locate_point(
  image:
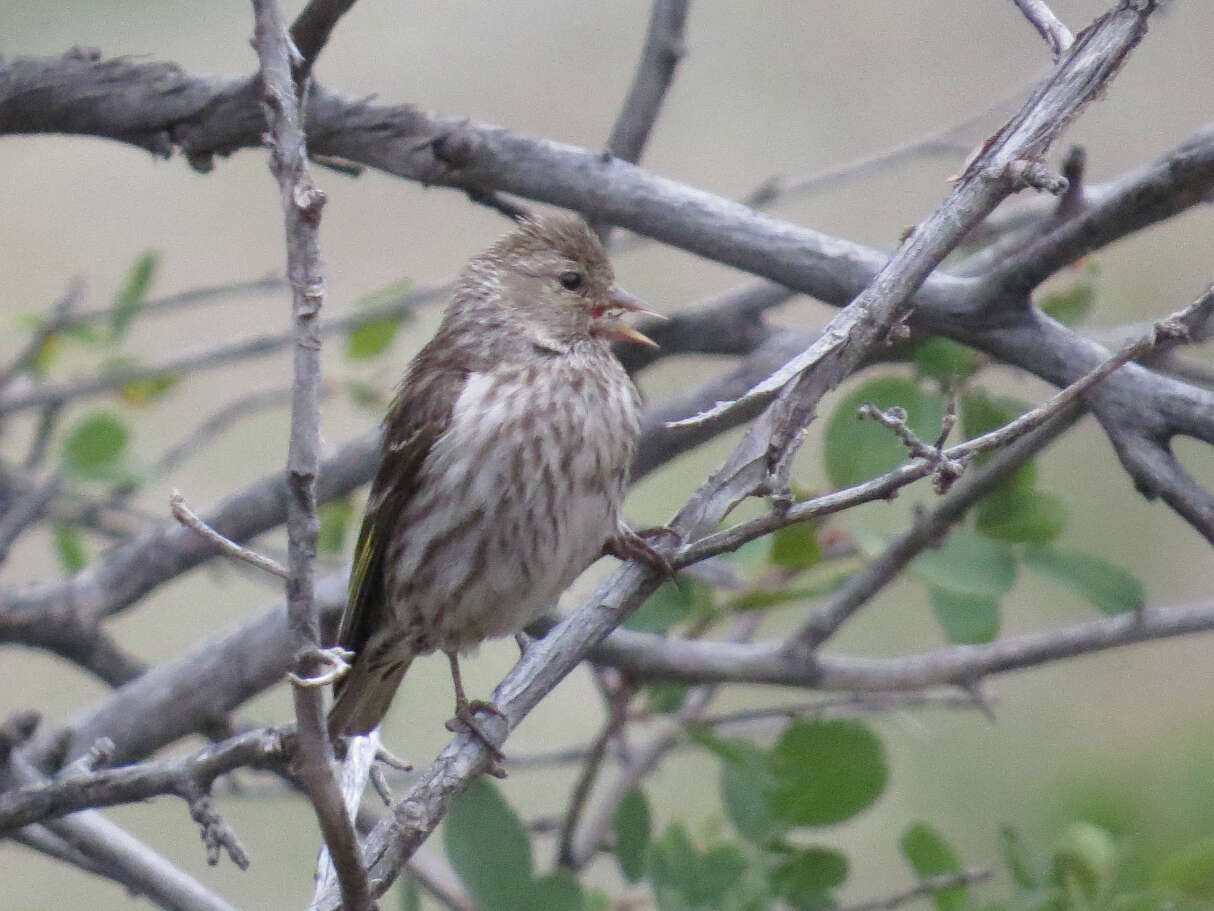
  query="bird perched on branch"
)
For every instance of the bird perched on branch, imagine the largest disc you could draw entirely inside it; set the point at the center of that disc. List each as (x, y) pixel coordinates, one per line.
(505, 458)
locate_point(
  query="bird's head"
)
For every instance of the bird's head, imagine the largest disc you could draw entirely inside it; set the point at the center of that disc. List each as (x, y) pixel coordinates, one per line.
(553, 277)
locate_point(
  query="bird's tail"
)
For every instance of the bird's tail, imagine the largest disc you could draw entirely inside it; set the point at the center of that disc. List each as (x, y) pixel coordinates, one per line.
(363, 696)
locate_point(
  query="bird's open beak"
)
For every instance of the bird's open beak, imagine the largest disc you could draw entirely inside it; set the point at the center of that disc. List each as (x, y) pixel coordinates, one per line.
(609, 325)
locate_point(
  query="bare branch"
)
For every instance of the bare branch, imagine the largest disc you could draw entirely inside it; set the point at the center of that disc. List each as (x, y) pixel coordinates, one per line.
(994, 174)
(209, 358)
(312, 27)
(930, 529)
(190, 519)
(302, 202)
(654, 658)
(185, 778)
(1049, 26)
(212, 426)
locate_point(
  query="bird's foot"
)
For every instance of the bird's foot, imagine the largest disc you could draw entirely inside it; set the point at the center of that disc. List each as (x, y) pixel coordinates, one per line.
(465, 722)
(336, 664)
(632, 544)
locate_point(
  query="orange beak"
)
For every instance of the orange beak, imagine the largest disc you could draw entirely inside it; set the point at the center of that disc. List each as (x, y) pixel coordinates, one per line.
(609, 325)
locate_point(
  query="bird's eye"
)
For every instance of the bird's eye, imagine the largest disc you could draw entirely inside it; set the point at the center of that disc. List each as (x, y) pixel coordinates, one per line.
(571, 281)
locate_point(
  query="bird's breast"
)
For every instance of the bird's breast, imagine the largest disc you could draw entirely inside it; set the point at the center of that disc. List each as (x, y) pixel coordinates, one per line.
(515, 499)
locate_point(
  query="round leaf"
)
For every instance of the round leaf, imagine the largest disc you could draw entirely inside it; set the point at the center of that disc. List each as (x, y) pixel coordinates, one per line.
(92, 447)
(859, 450)
(806, 877)
(825, 771)
(372, 338)
(1190, 869)
(945, 361)
(69, 546)
(671, 604)
(930, 855)
(631, 824)
(1110, 588)
(796, 546)
(968, 564)
(982, 412)
(965, 618)
(1021, 516)
(489, 848)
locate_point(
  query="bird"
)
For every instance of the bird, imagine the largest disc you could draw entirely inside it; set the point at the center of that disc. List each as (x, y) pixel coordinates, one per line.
(504, 462)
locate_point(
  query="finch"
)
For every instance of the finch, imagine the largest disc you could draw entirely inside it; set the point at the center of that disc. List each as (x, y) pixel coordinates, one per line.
(505, 458)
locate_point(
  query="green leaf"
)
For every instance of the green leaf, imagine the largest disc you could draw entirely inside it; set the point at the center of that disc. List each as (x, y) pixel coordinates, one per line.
(684, 879)
(365, 395)
(967, 563)
(1190, 869)
(1110, 588)
(743, 794)
(1021, 516)
(488, 847)
(673, 868)
(826, 772)
(720, 870)
(131, 295)
(632, 824)
(410, 894)
(858, 450)
(93, 445)
(945, 361)
(930, 855)
(335, 519)
(672, 603)
(382, 297)
(759, 600)
(982, 412)
(805, 878)
(370, 339)
(665, 698)
(965, 618)
(375, 337)
(141, 392)
(1016, 856)
(69, 546)
(48, 353)
(1072, 305)
(1085, 856)
(554, 892)
(796, 546)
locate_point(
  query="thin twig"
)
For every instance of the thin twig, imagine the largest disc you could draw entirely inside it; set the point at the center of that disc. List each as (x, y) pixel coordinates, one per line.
(302, 202)
(1049, 26)
(924, 889)
(185, 778)
(593, 762)
(28, 509)
(212, 426)
(1165, 333)
(660, 57)
(311, 30)
(46, 329)
(209, 358)
(190, 519)
(929, 529)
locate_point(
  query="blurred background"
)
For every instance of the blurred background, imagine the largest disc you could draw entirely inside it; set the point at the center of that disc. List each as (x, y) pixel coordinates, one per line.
(782, 88)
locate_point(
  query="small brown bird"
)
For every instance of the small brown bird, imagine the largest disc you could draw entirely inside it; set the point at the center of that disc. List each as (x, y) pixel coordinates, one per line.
(505, 458)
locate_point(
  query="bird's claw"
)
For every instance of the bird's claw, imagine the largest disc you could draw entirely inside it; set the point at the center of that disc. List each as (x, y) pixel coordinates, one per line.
(634, 545)
(337, 661)
(465, 722)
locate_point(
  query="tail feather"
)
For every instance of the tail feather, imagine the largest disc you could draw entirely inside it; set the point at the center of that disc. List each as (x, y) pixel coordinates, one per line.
(363, 697)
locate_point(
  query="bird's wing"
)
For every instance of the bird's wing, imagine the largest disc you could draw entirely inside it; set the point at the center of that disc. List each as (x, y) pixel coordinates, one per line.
(418, 417)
